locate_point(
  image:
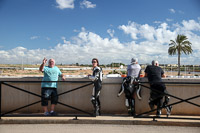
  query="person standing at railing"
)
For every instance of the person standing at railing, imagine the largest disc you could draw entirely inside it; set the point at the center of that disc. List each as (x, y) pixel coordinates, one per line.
(49, 89)
(129, 85)
(154, 73)
(97, 78)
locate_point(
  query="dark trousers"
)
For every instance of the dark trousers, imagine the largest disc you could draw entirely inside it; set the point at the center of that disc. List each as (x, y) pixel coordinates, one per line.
(156, 95)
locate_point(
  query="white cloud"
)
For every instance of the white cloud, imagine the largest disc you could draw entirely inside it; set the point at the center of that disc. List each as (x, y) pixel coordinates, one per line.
(156, 39)
(130, 29)
(169, 20)
(163, 35)
(82, 49)
(75, 30)
(148, 42)
(111, 32)
(34, 37)
(147, 32)
(172, 10)
(63, 4)
(191, 25)
(157, 22)
(87, 4)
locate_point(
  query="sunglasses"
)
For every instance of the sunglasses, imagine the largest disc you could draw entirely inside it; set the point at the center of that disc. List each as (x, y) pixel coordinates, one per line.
(94, 61)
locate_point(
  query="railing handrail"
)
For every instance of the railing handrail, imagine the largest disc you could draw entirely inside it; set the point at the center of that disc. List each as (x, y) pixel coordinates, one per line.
(15, 81)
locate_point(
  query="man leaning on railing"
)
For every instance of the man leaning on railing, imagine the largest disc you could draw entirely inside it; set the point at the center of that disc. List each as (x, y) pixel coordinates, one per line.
(155, 74)
(49, 89)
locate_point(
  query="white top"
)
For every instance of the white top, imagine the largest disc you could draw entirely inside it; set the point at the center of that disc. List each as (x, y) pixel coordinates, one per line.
(133, 70)
(97, 74)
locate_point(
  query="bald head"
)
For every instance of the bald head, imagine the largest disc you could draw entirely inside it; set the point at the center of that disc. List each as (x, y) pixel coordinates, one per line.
(155, 63)
(51, 62)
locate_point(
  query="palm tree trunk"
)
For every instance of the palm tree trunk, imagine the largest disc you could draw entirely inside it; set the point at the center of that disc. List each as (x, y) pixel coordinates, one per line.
(178, 64)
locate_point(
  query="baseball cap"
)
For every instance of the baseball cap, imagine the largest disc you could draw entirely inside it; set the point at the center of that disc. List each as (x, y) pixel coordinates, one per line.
(134, 60)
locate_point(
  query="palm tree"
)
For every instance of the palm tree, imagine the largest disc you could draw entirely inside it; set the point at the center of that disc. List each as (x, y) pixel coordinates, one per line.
(181, 45)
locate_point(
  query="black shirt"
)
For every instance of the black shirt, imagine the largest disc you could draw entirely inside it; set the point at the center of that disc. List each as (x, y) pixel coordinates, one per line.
(154, 73)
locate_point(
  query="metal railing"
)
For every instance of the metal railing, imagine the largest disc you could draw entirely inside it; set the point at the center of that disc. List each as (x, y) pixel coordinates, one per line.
(9, 113)
(89, 114)
(180, 100)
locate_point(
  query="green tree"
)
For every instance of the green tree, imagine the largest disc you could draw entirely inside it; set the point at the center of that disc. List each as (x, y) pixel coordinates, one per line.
(179, 46)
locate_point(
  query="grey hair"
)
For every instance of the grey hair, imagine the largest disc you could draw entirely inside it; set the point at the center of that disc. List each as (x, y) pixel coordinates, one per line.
(52, 59)
(154, 62)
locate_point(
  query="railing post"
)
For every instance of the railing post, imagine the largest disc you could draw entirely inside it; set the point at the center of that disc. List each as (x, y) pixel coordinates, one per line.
(0, 99)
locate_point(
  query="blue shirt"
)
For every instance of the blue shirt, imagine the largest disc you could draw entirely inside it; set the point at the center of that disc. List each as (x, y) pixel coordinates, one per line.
(51, 74)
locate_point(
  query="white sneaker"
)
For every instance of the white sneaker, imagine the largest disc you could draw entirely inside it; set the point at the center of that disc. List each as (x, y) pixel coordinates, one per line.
(46, 113)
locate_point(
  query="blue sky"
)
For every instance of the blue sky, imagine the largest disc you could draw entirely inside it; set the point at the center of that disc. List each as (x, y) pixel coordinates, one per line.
(74, 31)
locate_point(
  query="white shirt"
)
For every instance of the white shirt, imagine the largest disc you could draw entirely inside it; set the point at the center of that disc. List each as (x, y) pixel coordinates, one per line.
(133, 70)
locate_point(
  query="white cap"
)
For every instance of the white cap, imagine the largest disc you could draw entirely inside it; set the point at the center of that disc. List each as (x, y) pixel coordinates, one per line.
(134, 60)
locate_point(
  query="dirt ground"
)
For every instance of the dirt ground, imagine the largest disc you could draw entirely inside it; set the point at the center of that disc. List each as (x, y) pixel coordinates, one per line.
(8, 72)
(38, 73)
(15, 70)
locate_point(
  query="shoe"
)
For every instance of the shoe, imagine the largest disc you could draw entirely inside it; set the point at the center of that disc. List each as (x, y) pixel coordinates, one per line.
(97, 112)
(169, 110)
(131, 112)
(53, 113)
(46, 114)
(158, 113)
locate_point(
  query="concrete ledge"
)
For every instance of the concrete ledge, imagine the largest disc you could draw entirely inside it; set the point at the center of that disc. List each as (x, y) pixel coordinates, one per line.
(12, 99)
(116, 120)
